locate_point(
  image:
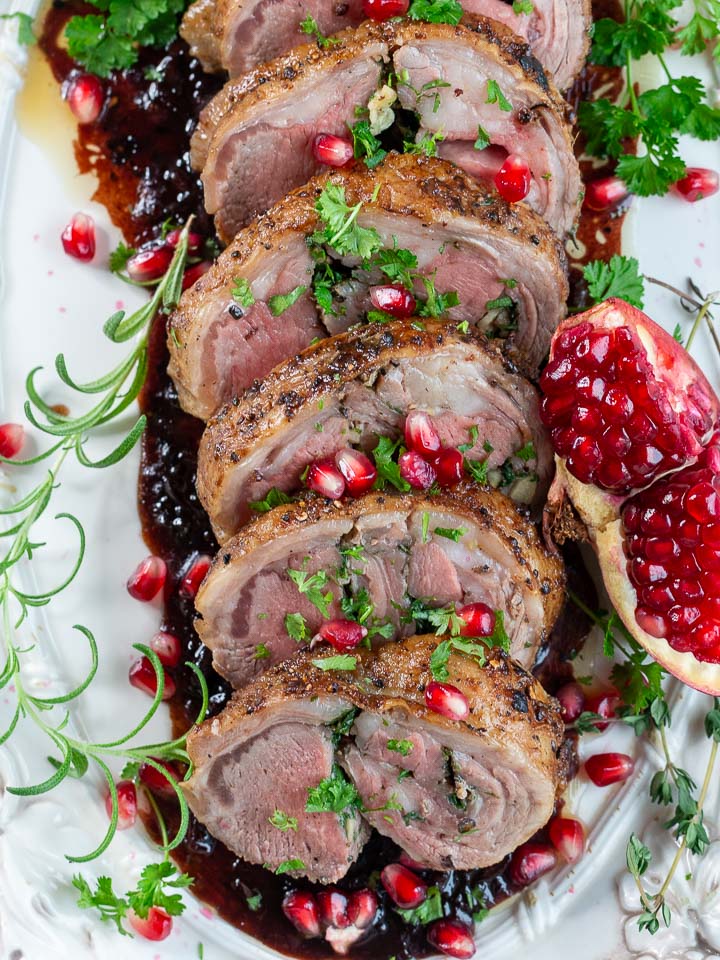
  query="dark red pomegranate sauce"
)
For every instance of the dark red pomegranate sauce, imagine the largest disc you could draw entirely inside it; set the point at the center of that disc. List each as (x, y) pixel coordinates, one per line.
(139, 151)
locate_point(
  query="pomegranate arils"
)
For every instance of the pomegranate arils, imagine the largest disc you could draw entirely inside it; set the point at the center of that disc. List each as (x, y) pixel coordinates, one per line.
(697, 184)
(447, 700)
(195, 241)
(331, 150)
(155, 781)
(478, 618)
(513, 179)
(127, 804)
(531, 861)
(324, 478)
(12, 438)
(332, 908)
(452, 938)
(193, 274)
(404, 887)
(358, 471)
(148, 579)
(672, 544)
(604, 704)
(605, 193)
(78, 237)
(606, 768)
(342, 634)
(624, 432)
(149, 265)
(416, 471)
(572, 701)
(362, 908)
(421, 435)
(385, 9)
(393, 299)
(449, 468)
(167, 647)
(301, 909)
(194, 576)
(568, 837)
(142, 675)
(156, 926)
(85, 96)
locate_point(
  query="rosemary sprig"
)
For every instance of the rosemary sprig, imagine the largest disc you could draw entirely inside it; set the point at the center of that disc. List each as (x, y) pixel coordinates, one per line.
(116, 390)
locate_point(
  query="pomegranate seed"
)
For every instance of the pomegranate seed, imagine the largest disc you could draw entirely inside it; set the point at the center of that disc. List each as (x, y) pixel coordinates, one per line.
(155, 781)
(142, 675)
(332, 908)
(342, 634)
(568, 838)
(78, 237)
(385, 9)
(127, 804)
(331, 150)
(531, 861)
(572, 701)
(148, 579)
(447, 700)
(85, 96)
(416, 471)
(404, 887)
(362, 908)
(606, 768)
(449, 467)
(193, 274)
(393, 299)
(513, 179)
(12, 438)
(195, 241)
(479, 620)
(421, 435)
(452, 938)
(603, 704)
(408, 861)
(149, 265)
(605, 193)
(357, 470)
(156, 926)
(301, 909)
(194, 576)
(167, 647)
(697, 184)
(324, 478)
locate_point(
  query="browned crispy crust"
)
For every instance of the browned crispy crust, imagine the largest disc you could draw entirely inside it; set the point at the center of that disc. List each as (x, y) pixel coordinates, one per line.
(309, 377)
(424, 187)
(271, 80)
(506, 702)
(483, 507)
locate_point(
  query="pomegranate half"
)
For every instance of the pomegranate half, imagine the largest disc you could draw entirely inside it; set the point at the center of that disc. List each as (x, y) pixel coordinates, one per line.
(633, 423)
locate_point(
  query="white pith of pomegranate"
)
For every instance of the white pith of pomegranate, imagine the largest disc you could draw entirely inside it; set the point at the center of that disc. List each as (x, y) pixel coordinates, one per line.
(623, 401)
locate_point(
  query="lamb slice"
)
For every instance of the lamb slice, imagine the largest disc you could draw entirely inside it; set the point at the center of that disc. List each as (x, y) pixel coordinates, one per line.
(472, 242)
(388, 546)
(470, 791)
(353, 389)
(276, 111)
(266, 761)
(531, 122)
(237, 35)
(254, 140)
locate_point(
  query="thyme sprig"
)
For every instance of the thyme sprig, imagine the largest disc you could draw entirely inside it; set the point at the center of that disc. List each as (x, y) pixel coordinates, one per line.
(116, 390)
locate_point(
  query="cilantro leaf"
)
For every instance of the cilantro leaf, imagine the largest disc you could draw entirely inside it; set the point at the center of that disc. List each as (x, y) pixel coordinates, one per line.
(397, 264)
(436, 11)
(281, 302)
(93, 45)
(620, 277)
(119, 257)
(152, 889)
(342, 232)
(104, 900)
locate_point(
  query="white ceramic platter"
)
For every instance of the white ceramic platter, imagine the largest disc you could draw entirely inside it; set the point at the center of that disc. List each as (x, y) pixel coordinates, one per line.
(51, 304)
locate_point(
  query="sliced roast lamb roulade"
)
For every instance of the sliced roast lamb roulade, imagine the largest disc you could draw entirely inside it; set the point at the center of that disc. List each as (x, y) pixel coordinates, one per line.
(374, 556)
(505, 265)
(473, 86)
(469, 790)
(238, 35)
(353, 389)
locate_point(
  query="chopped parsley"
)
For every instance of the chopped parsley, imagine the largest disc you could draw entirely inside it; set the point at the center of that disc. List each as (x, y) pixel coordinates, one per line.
(620, 277)
(296, 626)
(403, 747)
(500, 303)
(254, 902)
(310, 585)
(483, 139)
(282, 822)
(450, 533)
(273, 498)
(427, 144)
(310, 27)
(436, 11)
(476, 648)
(342, 231)
(281, 302)
(478, 470)
(242, 293)
(495, 95)
(523, 6)
(341, 661)
(440, 619)
(261, 652)
(430, 909)
(436, 303)
(25, 34)
(334, 794)
(117, 261)
(366, 145)
(288, 866)
(387, 468)
(527, 452)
